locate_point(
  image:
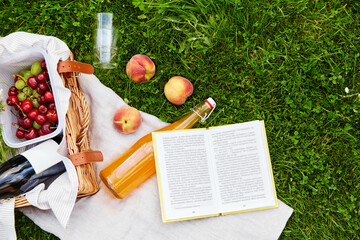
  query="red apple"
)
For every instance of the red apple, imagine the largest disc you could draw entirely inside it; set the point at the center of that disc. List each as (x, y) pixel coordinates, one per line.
(140, 68)
(177, 89)
(127, 120)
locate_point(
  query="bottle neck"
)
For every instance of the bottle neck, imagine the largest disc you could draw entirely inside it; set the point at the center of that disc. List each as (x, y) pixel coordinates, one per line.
(193, 117)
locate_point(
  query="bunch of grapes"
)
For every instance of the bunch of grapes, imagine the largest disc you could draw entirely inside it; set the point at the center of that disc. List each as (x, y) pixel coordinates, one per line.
(33, 99)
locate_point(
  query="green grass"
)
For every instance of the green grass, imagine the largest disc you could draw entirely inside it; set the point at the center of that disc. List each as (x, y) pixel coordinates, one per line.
(286, 62)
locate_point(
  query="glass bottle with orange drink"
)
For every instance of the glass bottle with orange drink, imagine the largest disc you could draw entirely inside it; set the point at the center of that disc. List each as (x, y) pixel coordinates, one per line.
(137, 164)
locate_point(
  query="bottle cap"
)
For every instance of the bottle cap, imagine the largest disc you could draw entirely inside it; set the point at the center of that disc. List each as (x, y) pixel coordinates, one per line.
(105, 20)
(211, 102)
(212, 105)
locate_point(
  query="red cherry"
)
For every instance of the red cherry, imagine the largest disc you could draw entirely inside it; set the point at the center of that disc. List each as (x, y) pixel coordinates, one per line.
(47, 128)
(51, 106)
(12, 100)
(20, 134)
(13, 91)
(40, 132)
(43, 65)
(52, 115)
(40, 118)
(27, 123)
(42, 87)
(26, 106)
(49, 97)
(42, 77)
(20, 121)
(42, 109)
(31, 134)
(16, 78)
(31, 81)
(41, 99)
(32, 114)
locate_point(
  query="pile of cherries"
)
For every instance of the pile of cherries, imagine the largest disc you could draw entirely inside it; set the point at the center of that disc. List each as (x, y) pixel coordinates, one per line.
(33, 99)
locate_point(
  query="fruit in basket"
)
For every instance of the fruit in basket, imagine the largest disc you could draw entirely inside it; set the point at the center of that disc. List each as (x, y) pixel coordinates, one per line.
(43, 65)
(12, 100)
(42, 77)
(31, 133)
(40, 118)
(27, 74)
(42, 108)
(140, 68)
(20, 84)
(42, 88)
(27, 123)
(27, 90)
(47, 127)
(21, 96)
(33, 98)
(26, 106)
(35, 68)
(20, 121)
(127, 120)
(32, 114)
(20, 134)
(31, 81)
(35, 102)
(36, 125)
(16, 78)
(41, 99)
(52, 105)
(49, 97)
(177, 89)
(52, 115)
(13, 91)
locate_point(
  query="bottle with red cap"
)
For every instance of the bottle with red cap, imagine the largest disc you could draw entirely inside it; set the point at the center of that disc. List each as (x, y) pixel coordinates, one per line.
(137, 164)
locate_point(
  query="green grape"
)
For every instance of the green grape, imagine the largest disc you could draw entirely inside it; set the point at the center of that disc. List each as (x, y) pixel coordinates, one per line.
(35, 93)
(36, 125)
(20, 84)
(27, 74)
(35, 103)
(21, 96)
(22, 72)
(35, 68)
(27, 90)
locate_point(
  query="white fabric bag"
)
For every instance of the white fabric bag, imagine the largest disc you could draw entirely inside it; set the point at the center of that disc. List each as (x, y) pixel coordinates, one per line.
(18, 51)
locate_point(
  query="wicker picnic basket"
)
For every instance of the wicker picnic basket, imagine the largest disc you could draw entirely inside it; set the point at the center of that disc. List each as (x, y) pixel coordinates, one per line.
(76, 127)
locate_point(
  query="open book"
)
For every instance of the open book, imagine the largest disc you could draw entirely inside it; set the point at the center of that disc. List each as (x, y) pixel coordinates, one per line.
(212, 172)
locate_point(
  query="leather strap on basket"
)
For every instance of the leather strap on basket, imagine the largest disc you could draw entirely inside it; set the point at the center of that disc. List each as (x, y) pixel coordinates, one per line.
(72, 66)
(86, 157)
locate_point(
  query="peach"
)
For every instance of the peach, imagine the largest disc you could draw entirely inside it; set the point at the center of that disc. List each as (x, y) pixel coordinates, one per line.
(127, 120)
(140, 68)
(177, 89)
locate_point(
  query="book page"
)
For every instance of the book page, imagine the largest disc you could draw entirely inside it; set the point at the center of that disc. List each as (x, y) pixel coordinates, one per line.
(184, 174)
(242, 166)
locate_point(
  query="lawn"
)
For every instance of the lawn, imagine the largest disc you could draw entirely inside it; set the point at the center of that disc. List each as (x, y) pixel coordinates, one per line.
(292, 63)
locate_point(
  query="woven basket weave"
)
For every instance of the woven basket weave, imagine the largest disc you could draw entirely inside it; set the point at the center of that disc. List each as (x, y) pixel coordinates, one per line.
(76, 127)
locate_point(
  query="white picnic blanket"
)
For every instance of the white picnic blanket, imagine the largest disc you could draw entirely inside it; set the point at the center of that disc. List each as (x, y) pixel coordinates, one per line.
(102, 216)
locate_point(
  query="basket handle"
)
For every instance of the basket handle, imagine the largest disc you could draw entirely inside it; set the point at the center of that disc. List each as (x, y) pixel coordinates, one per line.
(69, 66)
(86, 157)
